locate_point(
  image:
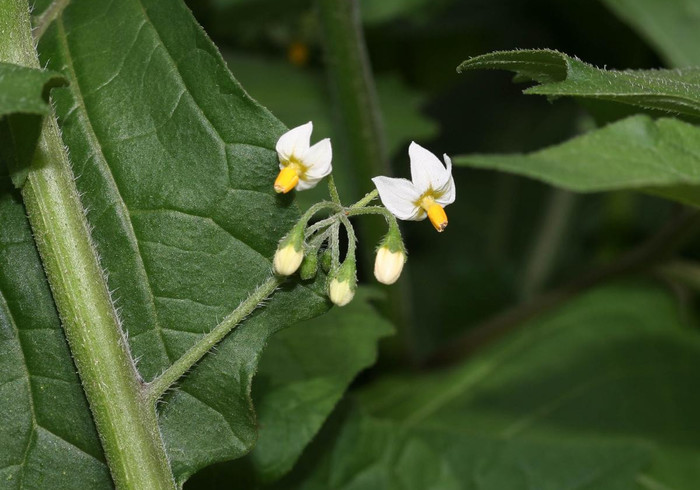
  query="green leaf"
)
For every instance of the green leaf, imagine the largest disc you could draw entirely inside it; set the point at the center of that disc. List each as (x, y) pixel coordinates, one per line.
(671, 26)
(24, 100)
(175, 164)
(47, 434)
(303, 373)
(26, 90)
(599, 394)
(557, 74)
(657, 156)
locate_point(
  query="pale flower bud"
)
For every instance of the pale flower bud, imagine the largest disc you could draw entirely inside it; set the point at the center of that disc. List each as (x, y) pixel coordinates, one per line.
(388, 265)
(287, 260)
(290, 252)
(391, 256)
(341, 288)
(341, 292)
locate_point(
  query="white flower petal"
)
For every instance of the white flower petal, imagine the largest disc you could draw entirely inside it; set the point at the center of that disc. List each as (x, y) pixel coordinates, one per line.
(399, 197)
(307, 183)
(317, 160)
(448, 188)
(294, 142)
(426, 169)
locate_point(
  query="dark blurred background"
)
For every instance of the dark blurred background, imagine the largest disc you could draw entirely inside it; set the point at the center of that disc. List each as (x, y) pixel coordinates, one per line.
(508, 238)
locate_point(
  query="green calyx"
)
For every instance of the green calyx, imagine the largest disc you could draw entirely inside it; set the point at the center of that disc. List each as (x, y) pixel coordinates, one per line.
(295, 237)
(347, 272)
(393, 241)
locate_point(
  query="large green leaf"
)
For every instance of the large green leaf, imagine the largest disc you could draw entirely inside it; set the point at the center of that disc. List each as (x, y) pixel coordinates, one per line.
(658, 156)
(48, 437)
(557, 74)
(671, 26)
(24, 100)
(302, 375)
(600, 394)
(26, 90)
(175, 164)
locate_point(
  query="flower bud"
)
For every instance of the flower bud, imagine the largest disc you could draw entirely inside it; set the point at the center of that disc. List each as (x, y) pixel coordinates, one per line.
(388, 265)
(309, 266)
(342, 286)
(289, 252)
(391, 256)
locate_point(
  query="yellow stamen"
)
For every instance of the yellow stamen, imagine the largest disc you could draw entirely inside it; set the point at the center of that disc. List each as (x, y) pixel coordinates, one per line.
(287, 179)
(436, 213)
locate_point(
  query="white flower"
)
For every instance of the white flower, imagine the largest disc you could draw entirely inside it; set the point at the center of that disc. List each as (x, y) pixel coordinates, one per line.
(431, 189)
(302, 166)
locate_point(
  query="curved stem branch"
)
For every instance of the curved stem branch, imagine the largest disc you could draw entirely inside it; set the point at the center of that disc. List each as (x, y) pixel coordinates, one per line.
(156, 388)
(368, 198)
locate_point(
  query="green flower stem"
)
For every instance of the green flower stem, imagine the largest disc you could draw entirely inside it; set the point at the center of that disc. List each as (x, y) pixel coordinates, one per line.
(335, 247)
(320, 225)
(369, 197)
(160, 385)
(318, 207)
(333, 190)
(126, 422)
(352, 239)
(390, 218)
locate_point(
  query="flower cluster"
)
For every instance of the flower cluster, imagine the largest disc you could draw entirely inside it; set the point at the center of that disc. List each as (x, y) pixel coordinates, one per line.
(302, 166)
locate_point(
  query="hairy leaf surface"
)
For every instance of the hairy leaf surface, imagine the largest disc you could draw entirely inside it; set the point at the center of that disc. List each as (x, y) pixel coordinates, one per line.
(658, 156)
(557, 74)
(175, 164)
(48, 437)
(599, 394)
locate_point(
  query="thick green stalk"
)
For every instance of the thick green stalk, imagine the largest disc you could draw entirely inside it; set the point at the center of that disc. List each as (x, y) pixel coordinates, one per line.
(355, 94)
(126, 421)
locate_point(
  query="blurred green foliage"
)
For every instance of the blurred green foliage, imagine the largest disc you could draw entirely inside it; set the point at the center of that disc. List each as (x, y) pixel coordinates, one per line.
(481, 265)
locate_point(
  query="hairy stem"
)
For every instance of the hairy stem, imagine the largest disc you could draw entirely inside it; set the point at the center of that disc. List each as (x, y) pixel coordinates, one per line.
(126, 422)
(333, 190)
(353, 88)
(160, 385)
(369, 197)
